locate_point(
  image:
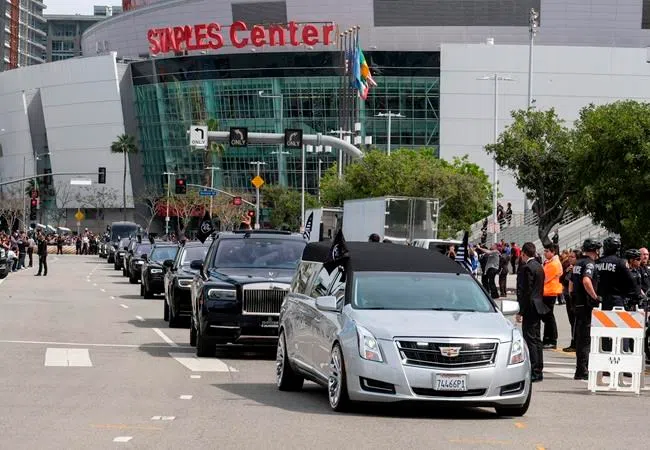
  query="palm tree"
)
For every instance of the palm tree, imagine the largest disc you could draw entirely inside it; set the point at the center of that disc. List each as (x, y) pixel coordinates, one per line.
(125, 144)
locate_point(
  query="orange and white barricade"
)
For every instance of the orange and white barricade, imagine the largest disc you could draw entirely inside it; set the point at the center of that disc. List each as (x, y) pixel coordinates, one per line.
(625, 331)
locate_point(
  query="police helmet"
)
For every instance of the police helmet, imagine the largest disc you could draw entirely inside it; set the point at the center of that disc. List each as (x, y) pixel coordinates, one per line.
(611, 245)
(632, 253)
(590, 245)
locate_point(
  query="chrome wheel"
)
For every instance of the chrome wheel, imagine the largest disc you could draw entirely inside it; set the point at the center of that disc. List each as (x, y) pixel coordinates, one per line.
(279, 361)
(335, 382)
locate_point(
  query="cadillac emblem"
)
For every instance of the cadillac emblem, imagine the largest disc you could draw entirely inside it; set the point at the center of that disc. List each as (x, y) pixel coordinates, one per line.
(450, 352)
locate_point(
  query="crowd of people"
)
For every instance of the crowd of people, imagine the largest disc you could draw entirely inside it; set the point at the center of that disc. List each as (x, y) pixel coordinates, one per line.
(20, 248)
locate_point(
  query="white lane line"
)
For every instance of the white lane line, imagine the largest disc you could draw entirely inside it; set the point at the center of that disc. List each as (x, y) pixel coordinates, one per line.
(201, 364)
(67, 357)
(163, 417)
(185, 397)
(164, 337)
(86, 344)
(94, 284)
(124, 306)
(123, 439)
(2, 281)
(112, 298)
(103, 290)
(140, 318)
(195, 376)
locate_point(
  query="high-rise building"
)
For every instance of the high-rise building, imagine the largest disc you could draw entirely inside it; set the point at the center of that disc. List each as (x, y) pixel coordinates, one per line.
(21, 33)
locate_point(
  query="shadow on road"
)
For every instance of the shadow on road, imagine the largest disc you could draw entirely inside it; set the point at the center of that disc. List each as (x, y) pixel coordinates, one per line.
(149, 323)
(133, 297)
(161, 350)
(243, 352)
(313, 399)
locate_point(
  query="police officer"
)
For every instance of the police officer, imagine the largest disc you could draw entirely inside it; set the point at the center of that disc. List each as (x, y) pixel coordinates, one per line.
(615, 283)
(633, 257)
(583, 286)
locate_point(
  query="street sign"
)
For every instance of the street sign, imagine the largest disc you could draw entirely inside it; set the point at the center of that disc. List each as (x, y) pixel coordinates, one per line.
(258, 181)
(293, 138)
(207, 193)
(79, 216)
(199, 136)
(238, 136)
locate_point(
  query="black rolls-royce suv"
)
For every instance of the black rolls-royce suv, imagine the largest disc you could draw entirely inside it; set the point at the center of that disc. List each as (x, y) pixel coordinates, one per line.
(237, 294)
(152, 271)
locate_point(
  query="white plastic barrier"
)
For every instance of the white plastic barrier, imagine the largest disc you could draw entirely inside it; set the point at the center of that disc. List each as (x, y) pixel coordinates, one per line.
(625, 332)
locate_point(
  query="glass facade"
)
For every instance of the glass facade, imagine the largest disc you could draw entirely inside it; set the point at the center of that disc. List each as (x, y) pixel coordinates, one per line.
(300, 90)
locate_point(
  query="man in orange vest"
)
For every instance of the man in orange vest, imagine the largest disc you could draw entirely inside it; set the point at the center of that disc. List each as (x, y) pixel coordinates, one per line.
(552, 289)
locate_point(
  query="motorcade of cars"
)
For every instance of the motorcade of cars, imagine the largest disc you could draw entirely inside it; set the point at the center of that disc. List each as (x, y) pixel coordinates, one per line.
(237, 293)
(118, 231)
(152, 272)
(135, 260)
(392, 323)
(178, 280)
(119, 252)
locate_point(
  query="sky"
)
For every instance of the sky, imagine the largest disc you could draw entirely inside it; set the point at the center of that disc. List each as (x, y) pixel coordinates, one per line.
(75, 6)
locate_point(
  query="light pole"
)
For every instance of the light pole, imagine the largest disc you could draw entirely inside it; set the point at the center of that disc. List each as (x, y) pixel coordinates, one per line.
(212, 169)
(280, 153)
(533, 22)
(495, 177)
(341, 132)
(169, 174)
(390, 115)
(320, 164)
(257, 195)
(302, 193)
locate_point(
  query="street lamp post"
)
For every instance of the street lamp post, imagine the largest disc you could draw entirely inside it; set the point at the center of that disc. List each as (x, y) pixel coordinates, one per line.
(320, 164)
(533, 22)
(390, 115)
(257, 194)
(212, 169)
(280, 153)
(495, 177)
(341, 132)
(169, 174)
(302, 193)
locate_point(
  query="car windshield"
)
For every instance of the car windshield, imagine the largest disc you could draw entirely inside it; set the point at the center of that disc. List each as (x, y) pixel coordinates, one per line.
(122, 231)
(259, 252)
(142, 248)
(163, 253)
(192, 254)
(418, 291)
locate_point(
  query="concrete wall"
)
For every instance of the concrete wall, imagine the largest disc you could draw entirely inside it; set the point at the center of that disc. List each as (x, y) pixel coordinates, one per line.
(565, 78)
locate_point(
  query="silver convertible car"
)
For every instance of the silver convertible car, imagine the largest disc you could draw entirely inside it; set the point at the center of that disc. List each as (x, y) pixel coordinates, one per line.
(390, 322)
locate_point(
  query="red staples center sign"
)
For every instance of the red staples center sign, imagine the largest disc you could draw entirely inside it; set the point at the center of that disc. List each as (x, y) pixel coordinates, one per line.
(209, 36)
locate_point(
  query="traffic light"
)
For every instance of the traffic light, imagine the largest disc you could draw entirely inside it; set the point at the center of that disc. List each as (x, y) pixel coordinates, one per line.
(236, 201)
(181, 187)
(102, 175)
(34, 193)
(32, 209)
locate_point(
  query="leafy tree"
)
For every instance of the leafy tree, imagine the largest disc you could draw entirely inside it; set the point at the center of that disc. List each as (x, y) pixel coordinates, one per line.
(539, 149)
(462, 187)
(285, 205)
(125, 144)
(151, 197)
(613, 168)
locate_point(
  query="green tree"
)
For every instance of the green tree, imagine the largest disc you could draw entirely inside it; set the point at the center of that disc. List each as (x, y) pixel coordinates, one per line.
(463, 187)
(539, 150)
(285, 205)
(125, 144)
(613, 168)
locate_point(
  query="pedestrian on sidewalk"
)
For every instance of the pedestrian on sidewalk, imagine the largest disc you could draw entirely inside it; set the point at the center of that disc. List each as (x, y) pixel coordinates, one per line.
(530, 295)
(491, 269)
(31, 245)
(504, 261)
(42, 254)
(552, 290)
(571, 261)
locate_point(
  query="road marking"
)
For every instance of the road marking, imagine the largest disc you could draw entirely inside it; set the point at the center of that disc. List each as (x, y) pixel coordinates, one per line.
(94, 284)
(103, 290)
(123, 439)
(479, 441)
(139, 318)
(2, 281)
(520, 425)
(195, 376)
(67, 357)
(122, 426)
(6, 341)
(185, 397)
(112, 298)
(201, 364)
(164, 337)
(124, 306)
(163, 417)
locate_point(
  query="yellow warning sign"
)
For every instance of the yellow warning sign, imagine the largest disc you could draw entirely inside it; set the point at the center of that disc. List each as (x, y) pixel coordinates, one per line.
(79, 216)
(258, 182)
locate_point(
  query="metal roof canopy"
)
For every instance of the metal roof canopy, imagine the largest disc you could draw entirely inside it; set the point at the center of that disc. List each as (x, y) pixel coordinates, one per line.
(278, 138)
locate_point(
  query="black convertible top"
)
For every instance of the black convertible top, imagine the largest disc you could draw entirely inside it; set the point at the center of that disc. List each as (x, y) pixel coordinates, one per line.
(384, 257)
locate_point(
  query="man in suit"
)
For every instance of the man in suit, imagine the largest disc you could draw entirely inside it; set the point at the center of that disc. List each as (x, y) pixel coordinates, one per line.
(530, 295)
(42, 254)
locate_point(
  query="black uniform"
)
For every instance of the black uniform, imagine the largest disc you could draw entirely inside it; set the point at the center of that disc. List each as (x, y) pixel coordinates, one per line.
(585, 268)
(615, 283)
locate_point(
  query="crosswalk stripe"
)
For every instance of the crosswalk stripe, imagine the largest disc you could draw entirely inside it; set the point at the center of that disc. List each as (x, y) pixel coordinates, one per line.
(202, 364)
(67, 357)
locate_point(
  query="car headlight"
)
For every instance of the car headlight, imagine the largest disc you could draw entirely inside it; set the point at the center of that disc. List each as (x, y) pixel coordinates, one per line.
(517, 348)
(139, 263)
(226, 295)
(368, 345)
(156, 270)
(184, 283)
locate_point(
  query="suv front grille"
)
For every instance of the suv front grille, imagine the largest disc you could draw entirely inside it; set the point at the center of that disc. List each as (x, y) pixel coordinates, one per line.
(263, 301)
(456, 355)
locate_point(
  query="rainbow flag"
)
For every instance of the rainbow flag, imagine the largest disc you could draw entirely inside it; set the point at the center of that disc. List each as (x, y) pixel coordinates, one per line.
(366, 80)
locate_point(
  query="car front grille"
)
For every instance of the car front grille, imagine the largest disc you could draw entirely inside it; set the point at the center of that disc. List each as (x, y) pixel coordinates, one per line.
(454, 355)
(263, 301)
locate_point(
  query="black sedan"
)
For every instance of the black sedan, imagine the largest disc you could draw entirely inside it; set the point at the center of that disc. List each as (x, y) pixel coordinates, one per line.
(136, 259)
(178, 280)
(152, 269)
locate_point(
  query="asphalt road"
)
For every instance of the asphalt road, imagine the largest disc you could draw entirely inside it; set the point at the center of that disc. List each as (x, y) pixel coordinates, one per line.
(86, 363)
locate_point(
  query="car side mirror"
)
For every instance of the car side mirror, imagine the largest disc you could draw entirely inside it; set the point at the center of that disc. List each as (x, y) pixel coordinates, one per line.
(197, 264)
(168, 263)
(509, 307)
(326, 303)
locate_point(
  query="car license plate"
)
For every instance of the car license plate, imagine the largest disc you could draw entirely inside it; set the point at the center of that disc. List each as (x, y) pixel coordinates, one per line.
(450, 382)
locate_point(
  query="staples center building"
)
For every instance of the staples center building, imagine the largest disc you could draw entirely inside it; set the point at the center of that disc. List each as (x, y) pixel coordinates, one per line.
(179, 62)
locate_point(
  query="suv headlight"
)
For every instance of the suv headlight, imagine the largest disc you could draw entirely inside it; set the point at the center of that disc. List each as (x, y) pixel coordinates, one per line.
(184, 283)
(156, 270)
(226, 295)
(517, 348)
(368, 345)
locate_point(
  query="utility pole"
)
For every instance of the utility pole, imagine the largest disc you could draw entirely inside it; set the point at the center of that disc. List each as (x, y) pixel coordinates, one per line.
(390, 115)
(320, 164)
(302, 193)
(257, 195)
(341, 132)
(212, 169)
(169, 182)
